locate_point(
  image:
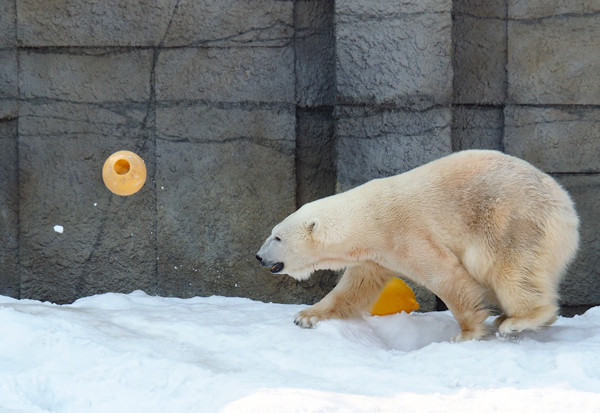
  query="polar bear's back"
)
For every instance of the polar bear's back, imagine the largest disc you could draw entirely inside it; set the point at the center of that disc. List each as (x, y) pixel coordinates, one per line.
(487, 206)
(492, 188)
(481, 185)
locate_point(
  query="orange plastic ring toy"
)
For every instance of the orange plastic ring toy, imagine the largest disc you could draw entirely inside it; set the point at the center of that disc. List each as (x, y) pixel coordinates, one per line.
(124, 173)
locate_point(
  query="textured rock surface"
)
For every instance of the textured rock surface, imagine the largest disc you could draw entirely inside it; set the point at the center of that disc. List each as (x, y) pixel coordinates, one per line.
(314, 53)
(9, 89)
(373, 143)
(581, 286)
(8, 17)
(544, 67)
(259, 74)
(479, 86)
(9, 210)
(229, 23)
(315, 159)
(393, 53)
(477, 127)
(94, 75)
(93, 23)
(563, 139)
(245, 109)
(108, 242)
(538, 9)
(479, 59)
(225, 177)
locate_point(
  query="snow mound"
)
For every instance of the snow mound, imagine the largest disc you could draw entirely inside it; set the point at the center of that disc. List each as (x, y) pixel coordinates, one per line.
(136, 353)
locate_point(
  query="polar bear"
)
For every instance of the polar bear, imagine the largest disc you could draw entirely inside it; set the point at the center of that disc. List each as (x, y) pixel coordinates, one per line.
(476, 227)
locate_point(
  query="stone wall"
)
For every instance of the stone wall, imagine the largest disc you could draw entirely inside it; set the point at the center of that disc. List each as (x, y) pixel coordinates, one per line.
(244, 110)
(526, 82)
(214, 96)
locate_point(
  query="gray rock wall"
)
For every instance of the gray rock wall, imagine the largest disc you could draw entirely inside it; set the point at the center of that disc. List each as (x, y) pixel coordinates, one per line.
(206, 94)
(244, 110)
(526, 83)
(553, 113)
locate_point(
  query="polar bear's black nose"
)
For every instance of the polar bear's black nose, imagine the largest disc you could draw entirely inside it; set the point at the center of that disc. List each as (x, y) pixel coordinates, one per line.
(259, 258)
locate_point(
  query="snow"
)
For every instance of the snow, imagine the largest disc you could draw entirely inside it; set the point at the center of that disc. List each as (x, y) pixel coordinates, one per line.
(137, 353)
(59, 229)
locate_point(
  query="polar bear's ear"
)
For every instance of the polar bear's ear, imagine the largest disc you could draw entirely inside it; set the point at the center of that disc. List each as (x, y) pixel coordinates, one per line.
(322, 233)
(314, 226)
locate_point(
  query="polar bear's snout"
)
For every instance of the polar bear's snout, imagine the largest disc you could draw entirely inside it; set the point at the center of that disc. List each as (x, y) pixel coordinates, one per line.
(275, 267)
(270, 255)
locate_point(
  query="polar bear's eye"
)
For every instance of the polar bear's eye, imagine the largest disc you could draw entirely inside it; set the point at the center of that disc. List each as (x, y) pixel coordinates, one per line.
(277, 239)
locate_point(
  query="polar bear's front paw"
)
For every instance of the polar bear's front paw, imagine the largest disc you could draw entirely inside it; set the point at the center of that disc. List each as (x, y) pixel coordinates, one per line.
(307, 319)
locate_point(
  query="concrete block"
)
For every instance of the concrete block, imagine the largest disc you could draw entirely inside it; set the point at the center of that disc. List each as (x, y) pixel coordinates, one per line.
(215, 203)
(108, 242)
(477, 127)
(315, 72)
(391, 7)
(315, 53)
(8, 24)
(9, 85)
(254, 74)
(267, 125)
(86, 76)
(101, 121)
(94, 23)
(479, 9)
(540, 9)
(313, 16)
(394, 53)
(9, 210)
(315, 157)
(479, 60)
(225, 177)
(545, 66)
(373, 143)
(554, 139)
(228, 23)
(581, 286)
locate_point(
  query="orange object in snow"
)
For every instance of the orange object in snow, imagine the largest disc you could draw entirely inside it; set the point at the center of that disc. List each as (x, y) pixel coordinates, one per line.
(124, 173)
(396, 297)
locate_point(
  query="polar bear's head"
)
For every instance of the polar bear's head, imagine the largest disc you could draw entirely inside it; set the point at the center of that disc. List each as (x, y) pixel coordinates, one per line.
(308, 240)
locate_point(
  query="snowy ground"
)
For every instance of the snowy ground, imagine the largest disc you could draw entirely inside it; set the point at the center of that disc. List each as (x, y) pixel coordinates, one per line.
(136, 353)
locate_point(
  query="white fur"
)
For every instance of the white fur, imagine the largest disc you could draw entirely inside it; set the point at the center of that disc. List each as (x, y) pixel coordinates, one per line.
(474, 227)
